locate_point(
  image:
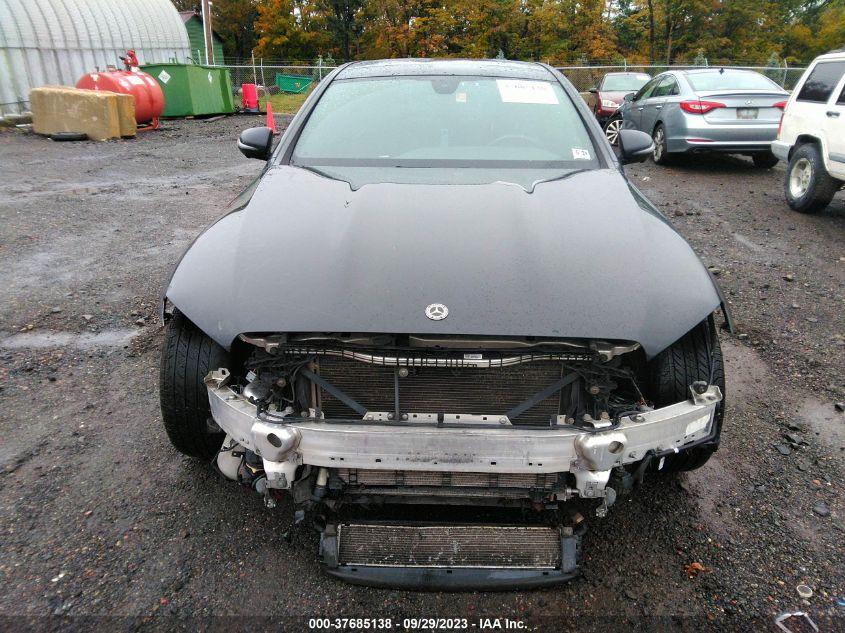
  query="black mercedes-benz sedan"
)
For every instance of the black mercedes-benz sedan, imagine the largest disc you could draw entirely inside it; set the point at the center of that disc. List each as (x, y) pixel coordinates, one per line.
(443, 291)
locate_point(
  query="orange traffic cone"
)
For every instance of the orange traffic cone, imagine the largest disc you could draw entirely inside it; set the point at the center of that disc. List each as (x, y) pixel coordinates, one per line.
(271, 122)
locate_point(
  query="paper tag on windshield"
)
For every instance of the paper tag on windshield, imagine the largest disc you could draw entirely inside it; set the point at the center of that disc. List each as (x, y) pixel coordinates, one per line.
(521, 91)
(461, 97)
(580, 154)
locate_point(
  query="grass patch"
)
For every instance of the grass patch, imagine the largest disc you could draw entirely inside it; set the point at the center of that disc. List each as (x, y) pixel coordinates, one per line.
(285, 103)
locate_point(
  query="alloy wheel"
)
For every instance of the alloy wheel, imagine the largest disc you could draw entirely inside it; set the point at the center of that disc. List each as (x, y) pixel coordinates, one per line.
(659, 139)
(611, 131)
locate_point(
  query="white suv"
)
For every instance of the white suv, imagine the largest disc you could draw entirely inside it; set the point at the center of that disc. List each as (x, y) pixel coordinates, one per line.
(812, 135)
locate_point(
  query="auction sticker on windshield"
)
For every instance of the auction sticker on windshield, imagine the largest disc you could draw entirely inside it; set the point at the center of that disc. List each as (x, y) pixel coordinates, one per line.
(519, 91)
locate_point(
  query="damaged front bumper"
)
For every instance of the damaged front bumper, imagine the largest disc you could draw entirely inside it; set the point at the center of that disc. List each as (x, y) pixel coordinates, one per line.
(454, 443)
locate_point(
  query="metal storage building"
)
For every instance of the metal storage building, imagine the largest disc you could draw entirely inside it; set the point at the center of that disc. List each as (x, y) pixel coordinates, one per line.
(55, 42)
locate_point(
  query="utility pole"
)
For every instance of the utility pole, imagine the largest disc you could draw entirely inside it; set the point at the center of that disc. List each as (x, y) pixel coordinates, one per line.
(206, 27)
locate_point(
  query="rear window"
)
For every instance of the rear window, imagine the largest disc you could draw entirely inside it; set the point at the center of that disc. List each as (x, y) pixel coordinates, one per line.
(730, 80)
(624, 83)
(821, 82)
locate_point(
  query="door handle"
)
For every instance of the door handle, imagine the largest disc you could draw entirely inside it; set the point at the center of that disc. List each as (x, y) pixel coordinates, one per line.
(658, 107)
(640, 108)
(832, 114)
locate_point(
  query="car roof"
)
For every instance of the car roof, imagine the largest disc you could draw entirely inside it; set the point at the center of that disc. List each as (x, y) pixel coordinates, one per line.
(715, 69)
(446, 67)
(831, 55)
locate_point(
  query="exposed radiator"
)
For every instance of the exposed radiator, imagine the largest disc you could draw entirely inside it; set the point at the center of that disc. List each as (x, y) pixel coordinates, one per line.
(441, 390)
(475, 546)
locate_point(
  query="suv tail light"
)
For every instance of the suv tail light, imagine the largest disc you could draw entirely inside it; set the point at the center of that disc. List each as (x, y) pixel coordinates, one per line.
(700, 107)
(782, 106)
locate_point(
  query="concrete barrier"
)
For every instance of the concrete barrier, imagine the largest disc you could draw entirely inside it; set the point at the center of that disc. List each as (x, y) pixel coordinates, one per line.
(100, 115)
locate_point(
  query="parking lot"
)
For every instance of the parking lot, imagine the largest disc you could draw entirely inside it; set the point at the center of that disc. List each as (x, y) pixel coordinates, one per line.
(100, 516)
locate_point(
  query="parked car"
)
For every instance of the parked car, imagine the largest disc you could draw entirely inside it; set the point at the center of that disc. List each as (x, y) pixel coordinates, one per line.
(707, 110)
(443, 290)
(607, 96)
(812, 135)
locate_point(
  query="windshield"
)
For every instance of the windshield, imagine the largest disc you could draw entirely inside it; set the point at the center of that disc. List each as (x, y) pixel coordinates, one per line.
(624, 83)
(443, 130)
(731, 80)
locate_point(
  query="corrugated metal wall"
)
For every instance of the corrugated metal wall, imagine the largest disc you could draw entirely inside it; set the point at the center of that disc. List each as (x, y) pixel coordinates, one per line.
(47, 42)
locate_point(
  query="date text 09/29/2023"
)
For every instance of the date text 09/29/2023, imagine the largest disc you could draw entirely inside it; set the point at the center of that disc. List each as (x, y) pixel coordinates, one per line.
(411, 624)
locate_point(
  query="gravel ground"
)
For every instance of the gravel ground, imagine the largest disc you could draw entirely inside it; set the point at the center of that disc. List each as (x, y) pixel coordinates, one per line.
(101, 518)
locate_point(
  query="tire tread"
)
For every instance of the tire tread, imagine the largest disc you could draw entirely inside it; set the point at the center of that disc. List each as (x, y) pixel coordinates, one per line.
(674, 370)
(187, 355)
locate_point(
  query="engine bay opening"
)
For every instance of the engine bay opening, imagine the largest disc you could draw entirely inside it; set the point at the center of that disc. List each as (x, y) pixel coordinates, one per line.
(457, 380)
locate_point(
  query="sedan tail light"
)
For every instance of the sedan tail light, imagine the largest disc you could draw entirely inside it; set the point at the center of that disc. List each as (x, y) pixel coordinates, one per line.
(700, 107)
(780, 104)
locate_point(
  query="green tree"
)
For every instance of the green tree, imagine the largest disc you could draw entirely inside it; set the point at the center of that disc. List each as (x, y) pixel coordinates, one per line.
(234, 22)
(342, 21)
(290, 29)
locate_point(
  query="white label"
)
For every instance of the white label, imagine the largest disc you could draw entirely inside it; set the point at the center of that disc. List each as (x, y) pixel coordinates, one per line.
(580, 154)
(164, 76)
(697, 425)
(473, 357)
(461, 97)
(209, 77)
(521, 91)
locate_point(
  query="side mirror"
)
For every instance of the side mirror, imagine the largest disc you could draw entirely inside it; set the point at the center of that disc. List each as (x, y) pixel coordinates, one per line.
(256, 142)
(634, 146)
(593, 91)
(629, 96)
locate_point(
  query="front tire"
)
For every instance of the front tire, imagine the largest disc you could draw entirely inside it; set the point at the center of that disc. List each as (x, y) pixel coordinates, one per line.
(187, 356)
(612, 128)
(661, 151)
(691, 358)
(764, 160)
(808, 186)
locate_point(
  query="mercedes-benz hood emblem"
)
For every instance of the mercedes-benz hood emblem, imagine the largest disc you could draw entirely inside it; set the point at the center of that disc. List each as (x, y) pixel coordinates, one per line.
(436, 311)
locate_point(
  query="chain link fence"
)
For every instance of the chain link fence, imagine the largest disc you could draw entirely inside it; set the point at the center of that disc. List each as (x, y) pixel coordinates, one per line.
(263, 73)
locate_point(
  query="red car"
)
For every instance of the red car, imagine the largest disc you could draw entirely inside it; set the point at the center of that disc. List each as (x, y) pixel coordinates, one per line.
(606, 98)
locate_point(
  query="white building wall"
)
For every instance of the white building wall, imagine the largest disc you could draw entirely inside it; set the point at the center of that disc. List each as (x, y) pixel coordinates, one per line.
(55, 42)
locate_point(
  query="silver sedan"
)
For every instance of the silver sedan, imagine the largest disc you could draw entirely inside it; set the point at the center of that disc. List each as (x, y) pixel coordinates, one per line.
(708, 110)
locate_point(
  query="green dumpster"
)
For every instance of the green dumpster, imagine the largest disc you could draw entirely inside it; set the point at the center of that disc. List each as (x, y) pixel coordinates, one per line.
(293, 83)
(192, 89)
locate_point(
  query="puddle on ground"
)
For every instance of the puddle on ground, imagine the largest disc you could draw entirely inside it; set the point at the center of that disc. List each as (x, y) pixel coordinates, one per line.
(83, 340)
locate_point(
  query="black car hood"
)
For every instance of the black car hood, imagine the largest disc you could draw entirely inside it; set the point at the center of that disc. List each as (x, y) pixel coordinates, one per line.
(584, 256)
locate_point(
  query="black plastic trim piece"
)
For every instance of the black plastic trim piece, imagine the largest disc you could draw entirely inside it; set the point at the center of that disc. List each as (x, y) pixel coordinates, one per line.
(451, 578)
(445, 579)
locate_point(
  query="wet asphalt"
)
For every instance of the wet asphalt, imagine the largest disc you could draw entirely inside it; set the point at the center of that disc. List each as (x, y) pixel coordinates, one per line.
(104, 525)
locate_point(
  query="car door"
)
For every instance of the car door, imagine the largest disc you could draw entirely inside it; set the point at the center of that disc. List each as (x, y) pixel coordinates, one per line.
(834, 129)
(633, 114)
(653, 106)
(816, 107)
